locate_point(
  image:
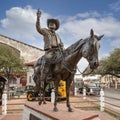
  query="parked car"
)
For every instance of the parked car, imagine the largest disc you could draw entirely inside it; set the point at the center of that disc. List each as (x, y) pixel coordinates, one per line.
(15, 91)
(29, 87)
(91, 89)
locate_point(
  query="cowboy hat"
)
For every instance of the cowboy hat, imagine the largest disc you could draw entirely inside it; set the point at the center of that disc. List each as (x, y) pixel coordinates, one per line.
(56, 21)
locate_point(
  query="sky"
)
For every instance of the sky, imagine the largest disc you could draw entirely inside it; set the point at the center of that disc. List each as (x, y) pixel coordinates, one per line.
(77, 17)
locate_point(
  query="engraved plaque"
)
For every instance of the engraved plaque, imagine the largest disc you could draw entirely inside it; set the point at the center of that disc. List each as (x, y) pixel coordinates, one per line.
(33, 117)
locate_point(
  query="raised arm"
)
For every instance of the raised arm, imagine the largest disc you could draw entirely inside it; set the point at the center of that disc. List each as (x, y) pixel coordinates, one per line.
(38, 26)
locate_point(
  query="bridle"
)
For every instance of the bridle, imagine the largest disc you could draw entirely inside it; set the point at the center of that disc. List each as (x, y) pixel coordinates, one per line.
(83, 73)
(72, 71)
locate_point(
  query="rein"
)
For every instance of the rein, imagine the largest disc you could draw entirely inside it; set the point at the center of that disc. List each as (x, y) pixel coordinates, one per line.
(73, 71)
(70, 69)
(82, 73)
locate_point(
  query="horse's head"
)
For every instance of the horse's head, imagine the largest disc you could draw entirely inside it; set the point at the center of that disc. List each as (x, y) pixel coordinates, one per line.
(90, 50)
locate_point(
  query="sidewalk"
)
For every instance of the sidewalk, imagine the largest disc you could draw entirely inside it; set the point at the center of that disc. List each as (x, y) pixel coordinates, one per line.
(12, 117)
(113, 90)
(102, 115)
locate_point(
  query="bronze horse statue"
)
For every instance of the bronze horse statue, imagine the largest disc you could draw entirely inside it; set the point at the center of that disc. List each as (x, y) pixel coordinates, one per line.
(66, 68)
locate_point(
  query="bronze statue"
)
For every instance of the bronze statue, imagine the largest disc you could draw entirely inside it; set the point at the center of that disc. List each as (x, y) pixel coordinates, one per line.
(53, 45)
(64, 67)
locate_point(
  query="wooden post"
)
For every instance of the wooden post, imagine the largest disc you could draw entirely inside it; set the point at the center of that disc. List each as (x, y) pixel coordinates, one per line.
(102, 104)
(75, 91)
(4, 103)
(84, 93)
(53, 96)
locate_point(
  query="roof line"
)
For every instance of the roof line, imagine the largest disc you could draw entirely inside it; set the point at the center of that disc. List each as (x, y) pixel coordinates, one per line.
(20, 42)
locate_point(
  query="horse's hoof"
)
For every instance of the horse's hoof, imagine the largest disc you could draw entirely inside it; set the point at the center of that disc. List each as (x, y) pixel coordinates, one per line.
(70, 110)
(39, 103)
(55, 110)
(44, 102)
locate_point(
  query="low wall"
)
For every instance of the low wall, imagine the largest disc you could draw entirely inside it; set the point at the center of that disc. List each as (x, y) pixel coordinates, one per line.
(33, 111)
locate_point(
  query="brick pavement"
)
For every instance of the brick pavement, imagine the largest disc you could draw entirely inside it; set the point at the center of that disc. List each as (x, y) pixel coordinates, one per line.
(102, 115)
(12, 117)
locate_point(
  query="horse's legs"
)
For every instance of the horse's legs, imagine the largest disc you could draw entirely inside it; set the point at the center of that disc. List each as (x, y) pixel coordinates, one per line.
(40, 93)
(56, 83)
(37, 80)
(68, 83)
(44, 101)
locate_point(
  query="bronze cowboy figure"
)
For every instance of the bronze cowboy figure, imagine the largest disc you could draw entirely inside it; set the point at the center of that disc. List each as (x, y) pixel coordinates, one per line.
(53, 46)
(59, 64)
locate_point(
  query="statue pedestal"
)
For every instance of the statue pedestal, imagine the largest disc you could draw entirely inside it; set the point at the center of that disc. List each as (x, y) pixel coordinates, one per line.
(33, 111)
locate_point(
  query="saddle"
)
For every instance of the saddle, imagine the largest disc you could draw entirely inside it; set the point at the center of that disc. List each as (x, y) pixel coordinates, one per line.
(45, 64)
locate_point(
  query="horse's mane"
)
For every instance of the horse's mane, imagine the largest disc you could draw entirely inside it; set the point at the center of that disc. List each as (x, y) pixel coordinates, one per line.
(74, 47)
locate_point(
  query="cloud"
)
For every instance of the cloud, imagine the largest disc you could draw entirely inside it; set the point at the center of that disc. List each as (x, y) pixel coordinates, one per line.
(115, 6)
(20, 24)
(77, 28)
(80, 27)
(19, 19)
(116, 43)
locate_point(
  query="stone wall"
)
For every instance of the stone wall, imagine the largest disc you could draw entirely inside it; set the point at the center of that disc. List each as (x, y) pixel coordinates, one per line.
(27, 52)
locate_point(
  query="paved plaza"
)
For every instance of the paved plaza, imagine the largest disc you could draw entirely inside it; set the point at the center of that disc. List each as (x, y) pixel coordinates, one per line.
(74, 102)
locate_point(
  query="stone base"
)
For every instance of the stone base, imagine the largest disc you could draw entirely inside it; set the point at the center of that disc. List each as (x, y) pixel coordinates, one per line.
(33, 111)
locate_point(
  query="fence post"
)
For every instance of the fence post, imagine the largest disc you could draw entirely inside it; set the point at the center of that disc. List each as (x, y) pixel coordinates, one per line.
(102, 104)
(4, 102)
(52, 96)
(75, 91)
(84, 93)
(108, 85)
(115, 84)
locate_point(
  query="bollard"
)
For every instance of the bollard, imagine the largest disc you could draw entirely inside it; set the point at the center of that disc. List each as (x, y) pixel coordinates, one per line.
(4, 103)
(18, 94)
(116, 85)
(84, 93)
(102, 104)
(108, 85)
(53, 96)
(75, 91)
